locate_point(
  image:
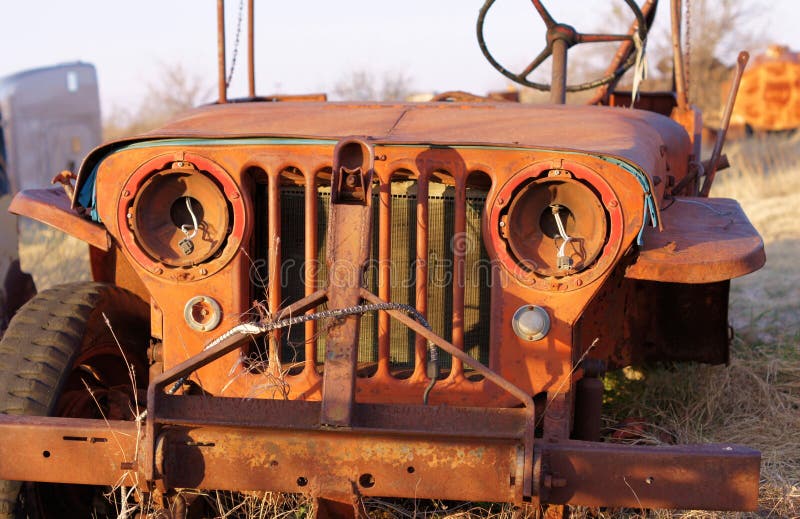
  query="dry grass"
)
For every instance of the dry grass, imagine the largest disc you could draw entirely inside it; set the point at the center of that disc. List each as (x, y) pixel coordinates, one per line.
(754, 401)
(259, 505)
(766, 180)
(50, 256)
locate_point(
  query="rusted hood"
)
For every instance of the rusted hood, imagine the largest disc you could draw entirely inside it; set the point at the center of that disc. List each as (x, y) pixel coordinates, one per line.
(638, 137)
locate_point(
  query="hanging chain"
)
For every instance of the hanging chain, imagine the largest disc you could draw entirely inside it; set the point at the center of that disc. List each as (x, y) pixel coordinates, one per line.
(235, 44)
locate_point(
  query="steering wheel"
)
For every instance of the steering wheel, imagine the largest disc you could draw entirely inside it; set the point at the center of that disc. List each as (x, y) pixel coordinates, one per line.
(560, 37)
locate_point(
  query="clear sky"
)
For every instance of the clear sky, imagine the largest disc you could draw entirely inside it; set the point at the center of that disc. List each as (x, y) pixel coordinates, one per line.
(303, 45)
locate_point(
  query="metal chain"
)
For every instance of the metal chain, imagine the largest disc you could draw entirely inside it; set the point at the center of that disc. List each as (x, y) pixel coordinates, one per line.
(343, 312)
(235, 44)
(262, 327)
(433, 353)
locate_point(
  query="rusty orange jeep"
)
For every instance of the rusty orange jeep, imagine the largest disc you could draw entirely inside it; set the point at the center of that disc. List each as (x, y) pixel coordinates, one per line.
(387, 299)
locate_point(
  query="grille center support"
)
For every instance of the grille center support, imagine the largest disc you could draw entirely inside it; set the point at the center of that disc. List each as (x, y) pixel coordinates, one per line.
(349, 231)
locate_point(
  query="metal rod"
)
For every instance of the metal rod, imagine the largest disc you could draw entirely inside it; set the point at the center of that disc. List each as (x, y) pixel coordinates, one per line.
(384, 271)
(251, 52)
(223, 87)
(677, 56)
(429, 335)
(421, 301)
(558, 85)
(311, 272)
(274, 255)
(741, 63)
(459, 269)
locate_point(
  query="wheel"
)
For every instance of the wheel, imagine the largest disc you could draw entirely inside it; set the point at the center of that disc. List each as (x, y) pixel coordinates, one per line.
(571, 37)
(59, 358)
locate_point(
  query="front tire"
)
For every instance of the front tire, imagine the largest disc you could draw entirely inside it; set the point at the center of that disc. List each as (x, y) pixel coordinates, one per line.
(58, 357)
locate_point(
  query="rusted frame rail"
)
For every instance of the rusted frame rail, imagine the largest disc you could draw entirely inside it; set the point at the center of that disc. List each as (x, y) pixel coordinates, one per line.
(388, 453)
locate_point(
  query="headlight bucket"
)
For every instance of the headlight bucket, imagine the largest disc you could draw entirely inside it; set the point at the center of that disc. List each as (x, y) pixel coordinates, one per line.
(153, 210)
(533, 234)
(524, 237)
(166, 209)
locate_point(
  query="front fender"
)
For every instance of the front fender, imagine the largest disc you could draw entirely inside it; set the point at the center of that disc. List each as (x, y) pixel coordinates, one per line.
(52, 206)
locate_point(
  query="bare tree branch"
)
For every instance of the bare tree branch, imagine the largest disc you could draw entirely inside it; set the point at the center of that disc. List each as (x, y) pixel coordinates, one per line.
(361, 85)
(174, 90)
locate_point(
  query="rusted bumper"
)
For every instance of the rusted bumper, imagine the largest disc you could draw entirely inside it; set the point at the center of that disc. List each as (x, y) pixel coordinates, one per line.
(395, 451)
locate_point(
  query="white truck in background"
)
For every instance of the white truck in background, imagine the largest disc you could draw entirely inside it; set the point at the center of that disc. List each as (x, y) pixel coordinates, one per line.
(49, 120)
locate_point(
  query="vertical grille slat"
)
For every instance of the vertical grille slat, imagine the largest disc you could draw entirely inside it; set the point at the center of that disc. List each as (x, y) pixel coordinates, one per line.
(421, 278)
(310, 272)
(323, 205)
(384, 272)
(274, 251)
(458, 245)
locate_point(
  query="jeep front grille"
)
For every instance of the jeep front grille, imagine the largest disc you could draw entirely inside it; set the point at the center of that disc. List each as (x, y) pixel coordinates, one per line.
(451, 225)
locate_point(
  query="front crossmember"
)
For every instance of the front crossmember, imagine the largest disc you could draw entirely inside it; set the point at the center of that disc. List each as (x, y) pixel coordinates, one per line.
(441, 452)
